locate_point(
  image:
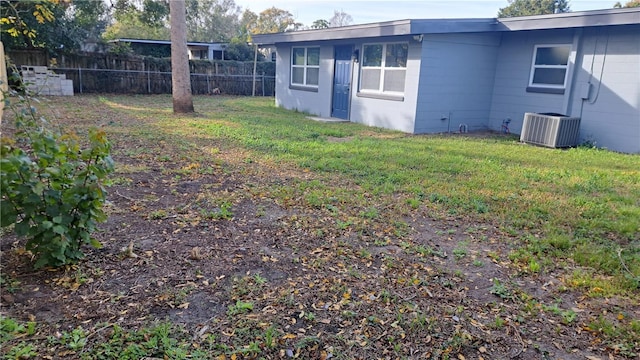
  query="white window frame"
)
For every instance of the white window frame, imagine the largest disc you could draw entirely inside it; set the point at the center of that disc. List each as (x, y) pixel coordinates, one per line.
(383, 69)
(534, 67)
(305, 66)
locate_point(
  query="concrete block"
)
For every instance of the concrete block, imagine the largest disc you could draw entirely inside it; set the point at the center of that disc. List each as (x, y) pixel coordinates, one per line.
(39, 69)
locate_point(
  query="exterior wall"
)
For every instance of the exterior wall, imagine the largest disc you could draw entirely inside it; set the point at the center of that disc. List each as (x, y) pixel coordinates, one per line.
(456, 81)
(313, 102)
(391, 114)
(608, 58)
(513, 67)
(395, 114)
(610, 61)
(481, 79)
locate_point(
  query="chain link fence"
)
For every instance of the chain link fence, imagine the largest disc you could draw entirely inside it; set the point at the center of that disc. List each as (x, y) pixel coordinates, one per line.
(156, 82)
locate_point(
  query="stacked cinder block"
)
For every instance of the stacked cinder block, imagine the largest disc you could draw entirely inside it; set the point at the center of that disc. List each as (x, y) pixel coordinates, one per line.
(43, 81)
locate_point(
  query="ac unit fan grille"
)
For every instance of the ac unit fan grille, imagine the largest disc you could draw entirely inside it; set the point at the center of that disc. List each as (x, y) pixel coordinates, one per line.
(550, 130)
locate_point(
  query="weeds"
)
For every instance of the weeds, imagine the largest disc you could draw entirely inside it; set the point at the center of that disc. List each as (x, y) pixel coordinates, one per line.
(222, 213)
(9, 284)
(75, 339)
(460, 251)
(271, 319)
(259, 280)
(501, 290)
(568, 316)
(10, 328)
(158, 214)
(240, 307)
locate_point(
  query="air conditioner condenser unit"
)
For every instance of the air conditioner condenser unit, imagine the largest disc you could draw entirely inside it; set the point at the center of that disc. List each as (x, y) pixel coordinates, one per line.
(550, 130)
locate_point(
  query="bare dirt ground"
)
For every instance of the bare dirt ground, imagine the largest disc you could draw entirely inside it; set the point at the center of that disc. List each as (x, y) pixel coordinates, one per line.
(439, 286)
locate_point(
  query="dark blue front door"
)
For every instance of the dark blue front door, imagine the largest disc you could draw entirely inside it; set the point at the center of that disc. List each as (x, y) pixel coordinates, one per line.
(342, 82)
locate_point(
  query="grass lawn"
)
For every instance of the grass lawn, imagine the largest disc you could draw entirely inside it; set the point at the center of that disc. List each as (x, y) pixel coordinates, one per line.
(340, 240)
(579, 205)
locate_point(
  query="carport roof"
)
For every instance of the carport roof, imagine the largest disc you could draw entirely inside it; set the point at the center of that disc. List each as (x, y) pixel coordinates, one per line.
(605, 17)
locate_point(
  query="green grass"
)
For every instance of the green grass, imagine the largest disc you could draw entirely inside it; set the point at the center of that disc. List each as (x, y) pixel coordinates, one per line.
(581, 204)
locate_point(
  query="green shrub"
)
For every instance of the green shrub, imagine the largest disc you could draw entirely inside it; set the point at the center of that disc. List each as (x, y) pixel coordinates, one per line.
(52, 186)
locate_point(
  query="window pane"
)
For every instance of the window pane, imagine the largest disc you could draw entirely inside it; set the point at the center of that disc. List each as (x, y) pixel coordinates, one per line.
(549, 76)
(396, 55)
(298, 56)
(557, 55)
(297, 75)
(370, 79)
(394, 80)
(312, 76)
(372, 55)
(313, 56)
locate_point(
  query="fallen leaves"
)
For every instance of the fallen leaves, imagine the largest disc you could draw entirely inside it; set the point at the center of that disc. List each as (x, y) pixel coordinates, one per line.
(371, 296)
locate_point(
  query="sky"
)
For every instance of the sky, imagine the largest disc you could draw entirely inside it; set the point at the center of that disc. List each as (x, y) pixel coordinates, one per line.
(367, 11)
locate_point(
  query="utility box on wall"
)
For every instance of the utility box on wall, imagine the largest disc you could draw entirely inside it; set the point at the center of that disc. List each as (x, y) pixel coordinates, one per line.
(550, 130)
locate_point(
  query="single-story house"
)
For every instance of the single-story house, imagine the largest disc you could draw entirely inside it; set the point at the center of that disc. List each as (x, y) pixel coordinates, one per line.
(162, 48)
(440, 75)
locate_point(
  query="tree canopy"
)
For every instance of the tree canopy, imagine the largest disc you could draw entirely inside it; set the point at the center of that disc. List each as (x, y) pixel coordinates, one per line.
(20, 20)
(212, 20)
(320, 24)
(340, 18)
(64, 25)
(533, 7)
(628, 4)
(147, 19)
(52, 24)
(273, 20)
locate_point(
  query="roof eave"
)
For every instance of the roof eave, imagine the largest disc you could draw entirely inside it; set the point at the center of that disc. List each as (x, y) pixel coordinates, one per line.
(606, 17)
(389, 28)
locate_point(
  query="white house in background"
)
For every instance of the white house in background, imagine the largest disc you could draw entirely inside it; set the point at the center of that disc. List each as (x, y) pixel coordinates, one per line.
(197, 50)
(429, 76)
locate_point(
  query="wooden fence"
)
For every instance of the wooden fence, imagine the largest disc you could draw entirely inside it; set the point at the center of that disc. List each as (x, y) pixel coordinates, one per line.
(159, 82)
(126, 74)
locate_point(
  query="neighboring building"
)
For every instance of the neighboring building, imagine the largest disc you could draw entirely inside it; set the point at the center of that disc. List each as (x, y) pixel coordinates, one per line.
(429, 76)
(162, 48)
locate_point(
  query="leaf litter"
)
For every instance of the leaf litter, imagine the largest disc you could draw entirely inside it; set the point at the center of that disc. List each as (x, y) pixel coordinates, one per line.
(275, 277)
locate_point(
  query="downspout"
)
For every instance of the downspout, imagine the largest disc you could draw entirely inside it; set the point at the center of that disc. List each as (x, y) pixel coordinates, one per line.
(573, 68)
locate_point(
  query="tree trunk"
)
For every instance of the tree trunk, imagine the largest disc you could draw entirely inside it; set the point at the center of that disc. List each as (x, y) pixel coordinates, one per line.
(180, 76)
(4, 80)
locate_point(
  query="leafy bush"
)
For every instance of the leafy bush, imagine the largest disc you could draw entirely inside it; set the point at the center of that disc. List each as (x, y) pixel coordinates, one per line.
(52, 187)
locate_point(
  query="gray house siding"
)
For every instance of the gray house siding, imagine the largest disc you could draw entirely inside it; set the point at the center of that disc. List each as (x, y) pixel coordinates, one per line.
(312, 101)
(510, 97)
(456, 81)
(476, 73)
(610, 61)
(396, 114)
(611, 113)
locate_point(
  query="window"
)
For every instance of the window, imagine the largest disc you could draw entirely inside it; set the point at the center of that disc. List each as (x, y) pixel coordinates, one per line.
(550, 66)
(384, 67)
(305, 66)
